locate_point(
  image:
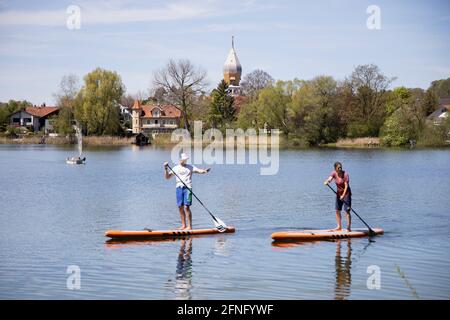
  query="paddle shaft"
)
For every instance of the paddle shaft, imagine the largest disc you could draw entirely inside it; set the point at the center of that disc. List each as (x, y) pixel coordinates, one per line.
(370, 229)
(193, 194)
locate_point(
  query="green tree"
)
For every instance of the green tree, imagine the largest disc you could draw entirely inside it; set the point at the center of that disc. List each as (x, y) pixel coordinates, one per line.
(435, 135)
(406, 116)
(222, 111)
(396, 130)
(314, 111)
(441, 88)
(430, 102)
(369, 93)
(201, 107)
(248, 116)
(6, 109)
(397, 98)
(97, 104)
(272, 108)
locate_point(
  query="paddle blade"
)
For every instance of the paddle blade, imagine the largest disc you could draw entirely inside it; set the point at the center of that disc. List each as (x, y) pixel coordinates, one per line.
(220, 225)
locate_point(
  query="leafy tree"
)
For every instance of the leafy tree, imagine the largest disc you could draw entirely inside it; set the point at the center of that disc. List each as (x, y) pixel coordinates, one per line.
(248, 116)
(272, 105)
(441, 88)
(313, 110)
(201, 107)
(97, 104)
(396, 130)
(222, 111)
(435, 135)
(430, 101)
(406, 116)
(369, 90)
(6, 109)
(63, 121)
(397, 99)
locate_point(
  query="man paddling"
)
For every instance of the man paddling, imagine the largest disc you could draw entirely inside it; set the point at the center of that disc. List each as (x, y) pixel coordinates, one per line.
(343, 195)
(184, 195)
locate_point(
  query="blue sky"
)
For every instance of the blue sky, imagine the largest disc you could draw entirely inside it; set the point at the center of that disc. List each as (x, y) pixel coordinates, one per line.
(288, 39)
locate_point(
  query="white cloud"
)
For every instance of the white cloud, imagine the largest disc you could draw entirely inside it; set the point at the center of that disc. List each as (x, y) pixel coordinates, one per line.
(113, 12)
(107, 13)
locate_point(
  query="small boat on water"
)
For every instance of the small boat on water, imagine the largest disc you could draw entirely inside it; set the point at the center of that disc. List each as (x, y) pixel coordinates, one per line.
(75, 160)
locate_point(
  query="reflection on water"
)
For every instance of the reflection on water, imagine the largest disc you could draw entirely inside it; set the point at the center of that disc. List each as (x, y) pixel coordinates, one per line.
(220, 248)
(112, 192)
(183, 277)
(343, 264)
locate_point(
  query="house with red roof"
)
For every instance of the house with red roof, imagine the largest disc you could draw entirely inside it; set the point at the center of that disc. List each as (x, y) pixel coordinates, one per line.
(154, 118)
(35, 117)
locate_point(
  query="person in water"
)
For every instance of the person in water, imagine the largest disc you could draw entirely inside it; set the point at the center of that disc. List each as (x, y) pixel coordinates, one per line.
(184, 195)
(344, 194)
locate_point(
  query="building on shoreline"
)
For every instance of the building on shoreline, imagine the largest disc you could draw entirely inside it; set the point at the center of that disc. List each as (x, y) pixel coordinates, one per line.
(154, 118)
(441, 113)
(35, 118)
(232, 71)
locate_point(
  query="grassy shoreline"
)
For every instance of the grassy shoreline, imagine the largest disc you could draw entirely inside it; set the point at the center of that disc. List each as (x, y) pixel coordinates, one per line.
(165, 141)
(87, 141)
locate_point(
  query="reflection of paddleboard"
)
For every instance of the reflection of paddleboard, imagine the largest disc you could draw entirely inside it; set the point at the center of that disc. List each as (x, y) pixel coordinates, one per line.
(150, 234)
(308, 235)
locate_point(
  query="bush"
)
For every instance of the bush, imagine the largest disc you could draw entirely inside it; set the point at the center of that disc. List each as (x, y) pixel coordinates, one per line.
(296, 141)
(12, 131)
(434, 135)
(396, 131)
(356, 130)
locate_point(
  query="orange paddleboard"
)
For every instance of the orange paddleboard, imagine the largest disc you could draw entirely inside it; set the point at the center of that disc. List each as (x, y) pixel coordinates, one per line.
(162, 234)
(310, 235)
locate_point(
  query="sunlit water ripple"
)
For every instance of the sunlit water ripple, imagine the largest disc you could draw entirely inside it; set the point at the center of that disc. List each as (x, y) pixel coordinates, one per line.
(54, 215)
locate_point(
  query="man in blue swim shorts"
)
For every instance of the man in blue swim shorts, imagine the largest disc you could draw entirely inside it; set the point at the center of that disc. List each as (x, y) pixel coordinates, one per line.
(184, 194)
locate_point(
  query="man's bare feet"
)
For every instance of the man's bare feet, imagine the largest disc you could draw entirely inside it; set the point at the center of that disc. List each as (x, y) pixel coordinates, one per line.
(181, 228)
(188, 228)
(337, 229)
(349, 230)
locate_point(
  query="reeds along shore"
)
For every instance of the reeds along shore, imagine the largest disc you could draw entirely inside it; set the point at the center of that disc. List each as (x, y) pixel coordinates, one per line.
(165, 140)
(87, 140)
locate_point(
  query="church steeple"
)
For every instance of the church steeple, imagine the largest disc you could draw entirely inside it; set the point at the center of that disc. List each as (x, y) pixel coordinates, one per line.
(232, 69)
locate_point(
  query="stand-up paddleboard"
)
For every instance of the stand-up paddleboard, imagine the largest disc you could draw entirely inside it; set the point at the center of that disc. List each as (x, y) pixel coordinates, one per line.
(311, 235)
(162, 234)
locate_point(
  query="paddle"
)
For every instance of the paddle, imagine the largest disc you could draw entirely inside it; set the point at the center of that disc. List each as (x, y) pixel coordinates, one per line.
(371, 232)
(220, 225)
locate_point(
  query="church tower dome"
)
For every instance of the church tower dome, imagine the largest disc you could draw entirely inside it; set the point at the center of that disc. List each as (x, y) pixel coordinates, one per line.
(232, 69)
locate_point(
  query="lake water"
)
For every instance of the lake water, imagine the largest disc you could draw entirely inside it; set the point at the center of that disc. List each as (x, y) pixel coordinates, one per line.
(54, 215)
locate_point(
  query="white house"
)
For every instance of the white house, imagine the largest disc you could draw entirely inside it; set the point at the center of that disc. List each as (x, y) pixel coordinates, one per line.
(441, 113)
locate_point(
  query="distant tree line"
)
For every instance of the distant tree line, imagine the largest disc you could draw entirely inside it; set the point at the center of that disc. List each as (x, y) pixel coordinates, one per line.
(311, 112)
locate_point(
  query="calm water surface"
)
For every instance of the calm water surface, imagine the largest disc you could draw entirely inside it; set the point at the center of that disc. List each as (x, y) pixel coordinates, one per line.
(53, 215)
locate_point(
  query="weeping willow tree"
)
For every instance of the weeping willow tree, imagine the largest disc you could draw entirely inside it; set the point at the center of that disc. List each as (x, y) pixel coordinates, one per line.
(97, 105)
